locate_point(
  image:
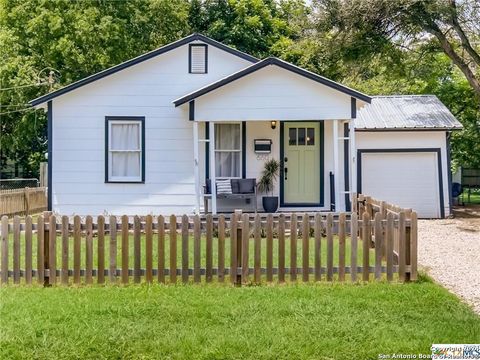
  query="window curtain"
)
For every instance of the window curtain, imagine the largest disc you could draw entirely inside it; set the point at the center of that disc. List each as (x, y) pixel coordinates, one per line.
(228, 150)
(126, 151)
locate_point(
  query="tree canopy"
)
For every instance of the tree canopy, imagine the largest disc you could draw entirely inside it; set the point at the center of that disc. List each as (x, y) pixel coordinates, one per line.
(376, 46)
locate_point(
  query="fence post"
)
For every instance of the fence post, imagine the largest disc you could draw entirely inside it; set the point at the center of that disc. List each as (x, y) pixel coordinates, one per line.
(237, 276)
(46, 247)
(413, 246)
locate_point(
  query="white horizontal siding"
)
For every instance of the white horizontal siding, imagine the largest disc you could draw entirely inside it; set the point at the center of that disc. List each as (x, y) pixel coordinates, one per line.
(273, 93)
(146, 89)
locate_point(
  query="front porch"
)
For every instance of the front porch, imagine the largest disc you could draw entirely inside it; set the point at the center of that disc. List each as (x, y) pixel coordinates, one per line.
(315, 157)
(305, 117)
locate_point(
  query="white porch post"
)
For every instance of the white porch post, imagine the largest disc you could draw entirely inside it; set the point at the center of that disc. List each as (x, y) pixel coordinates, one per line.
(353, 162)
(336, 166)
(212, 167)
(195, 167)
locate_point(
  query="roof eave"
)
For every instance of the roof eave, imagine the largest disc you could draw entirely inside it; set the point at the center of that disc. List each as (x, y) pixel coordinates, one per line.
(418, 128)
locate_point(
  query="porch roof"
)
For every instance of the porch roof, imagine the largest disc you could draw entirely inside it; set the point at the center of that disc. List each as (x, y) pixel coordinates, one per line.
(275, 62)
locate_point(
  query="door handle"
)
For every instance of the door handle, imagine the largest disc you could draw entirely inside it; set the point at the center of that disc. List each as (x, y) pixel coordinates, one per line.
(285, 172)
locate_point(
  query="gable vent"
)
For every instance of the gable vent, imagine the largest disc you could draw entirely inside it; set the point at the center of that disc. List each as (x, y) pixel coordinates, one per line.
(198, 55)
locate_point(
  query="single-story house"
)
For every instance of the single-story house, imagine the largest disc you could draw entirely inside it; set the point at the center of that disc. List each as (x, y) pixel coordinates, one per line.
(142, 137)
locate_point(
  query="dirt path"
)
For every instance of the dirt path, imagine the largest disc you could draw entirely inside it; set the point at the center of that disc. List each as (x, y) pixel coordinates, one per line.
(450, 251)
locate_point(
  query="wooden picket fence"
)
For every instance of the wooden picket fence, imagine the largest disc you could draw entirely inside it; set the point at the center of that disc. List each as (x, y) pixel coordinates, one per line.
(24, 201)
(64, 250)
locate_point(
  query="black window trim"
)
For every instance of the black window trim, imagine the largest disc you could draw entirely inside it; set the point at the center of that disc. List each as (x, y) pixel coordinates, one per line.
(141, 119)
(190, 58)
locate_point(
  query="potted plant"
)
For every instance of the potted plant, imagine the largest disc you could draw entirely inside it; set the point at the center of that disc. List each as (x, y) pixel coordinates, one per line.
(266, 185)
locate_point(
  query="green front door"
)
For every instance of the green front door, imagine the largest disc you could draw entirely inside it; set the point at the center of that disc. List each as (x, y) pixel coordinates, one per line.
(301, 178)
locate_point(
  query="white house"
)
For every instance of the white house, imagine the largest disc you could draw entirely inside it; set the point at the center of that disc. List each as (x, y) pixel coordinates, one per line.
(143, 136)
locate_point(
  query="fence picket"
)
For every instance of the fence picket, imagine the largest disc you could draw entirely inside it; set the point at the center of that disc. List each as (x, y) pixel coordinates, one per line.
(16, 249)
(221, 248)
(389, 245)
(233, 249)
(366, 238)
(40, 249)
(89, 250)
(52, 249)
(341, 246)
(257, 257)
(28, 249)
(77, 238)
(161, 249)
(172, 232)
(137, 250)
(125, 236)
(4, 250)
(378, 231)
(185, 248)
(149, 248)
(65, 243)
(353, 246)
(101, 249)
(113, 249)
(329, 247)
(318, 247)
(269, 247)
(245, 247)
(305, 247)
(293, 247)
(197, 238)
(281, 248)
(209, 249)
(401, 246)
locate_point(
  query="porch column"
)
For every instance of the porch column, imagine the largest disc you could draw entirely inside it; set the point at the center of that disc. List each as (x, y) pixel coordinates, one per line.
(353, 162)
(336, 166)
(195, 166)
(213, 186)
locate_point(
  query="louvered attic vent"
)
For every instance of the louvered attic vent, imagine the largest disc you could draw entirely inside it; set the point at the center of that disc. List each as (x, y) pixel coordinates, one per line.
(197, 58)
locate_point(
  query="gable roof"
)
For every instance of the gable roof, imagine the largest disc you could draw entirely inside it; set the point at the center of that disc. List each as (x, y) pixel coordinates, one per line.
(276, 62)
(404, 112)
(139, 59)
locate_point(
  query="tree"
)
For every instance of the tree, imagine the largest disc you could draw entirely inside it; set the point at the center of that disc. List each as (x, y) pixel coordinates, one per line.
(412, 46)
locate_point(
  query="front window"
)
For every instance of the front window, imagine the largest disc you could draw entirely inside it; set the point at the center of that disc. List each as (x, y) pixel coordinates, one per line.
(125, 150)
(228, 150)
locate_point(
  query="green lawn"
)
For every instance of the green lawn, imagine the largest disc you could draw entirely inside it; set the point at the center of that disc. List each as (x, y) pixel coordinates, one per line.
(314, 321)
(474, 197)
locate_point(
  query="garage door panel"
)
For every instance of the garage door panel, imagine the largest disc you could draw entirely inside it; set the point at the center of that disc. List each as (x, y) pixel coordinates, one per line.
(407, 179)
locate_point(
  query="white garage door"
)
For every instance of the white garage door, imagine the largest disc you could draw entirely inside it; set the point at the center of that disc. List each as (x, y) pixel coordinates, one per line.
(409, 180)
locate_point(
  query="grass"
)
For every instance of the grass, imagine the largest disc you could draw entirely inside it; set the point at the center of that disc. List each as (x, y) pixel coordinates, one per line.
(314, 321)
(474, 196)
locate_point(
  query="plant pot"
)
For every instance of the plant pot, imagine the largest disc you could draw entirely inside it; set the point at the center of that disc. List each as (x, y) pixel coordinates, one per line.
(270, 203)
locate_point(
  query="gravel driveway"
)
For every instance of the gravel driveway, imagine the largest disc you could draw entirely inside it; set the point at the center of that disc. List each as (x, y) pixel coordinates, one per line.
(450, 252)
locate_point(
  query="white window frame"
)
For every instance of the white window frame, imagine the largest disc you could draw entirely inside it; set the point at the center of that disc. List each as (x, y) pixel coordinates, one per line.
(231, 150)
(125, 121)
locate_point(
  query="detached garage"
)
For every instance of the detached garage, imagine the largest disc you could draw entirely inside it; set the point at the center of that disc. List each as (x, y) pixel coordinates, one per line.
(403, 152)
